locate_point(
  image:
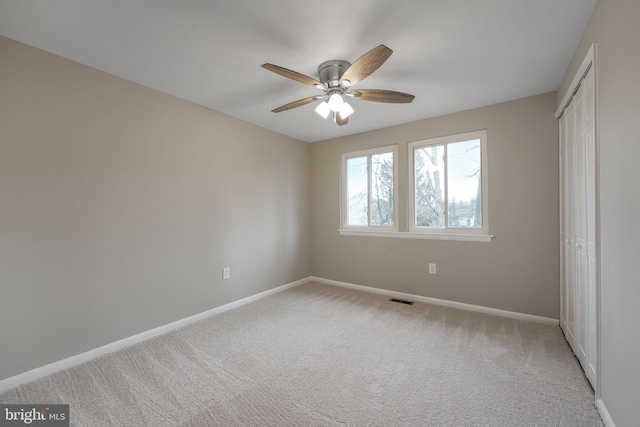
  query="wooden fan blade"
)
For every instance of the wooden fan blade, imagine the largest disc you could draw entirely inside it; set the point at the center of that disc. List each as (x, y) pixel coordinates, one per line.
(366, 64)
(290, 74)
(340, 121)
(294, 104)
(379, 95)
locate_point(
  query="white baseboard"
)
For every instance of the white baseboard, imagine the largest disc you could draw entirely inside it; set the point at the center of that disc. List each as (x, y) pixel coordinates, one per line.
(78, 359)
(447, 303)
(604, 414)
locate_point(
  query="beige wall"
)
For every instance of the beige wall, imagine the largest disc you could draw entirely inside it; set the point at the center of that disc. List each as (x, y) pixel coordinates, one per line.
(518, 271)
(120, 205)
(614, 26)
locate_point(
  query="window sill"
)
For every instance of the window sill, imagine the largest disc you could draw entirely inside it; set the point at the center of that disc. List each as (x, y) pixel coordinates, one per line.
(484, 238)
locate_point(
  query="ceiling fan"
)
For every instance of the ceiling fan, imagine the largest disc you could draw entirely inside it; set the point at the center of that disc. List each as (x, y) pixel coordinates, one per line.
(336, 79)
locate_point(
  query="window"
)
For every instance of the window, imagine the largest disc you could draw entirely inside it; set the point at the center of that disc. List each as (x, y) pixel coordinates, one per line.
(446, 197)
(369, 199)
(448, 191)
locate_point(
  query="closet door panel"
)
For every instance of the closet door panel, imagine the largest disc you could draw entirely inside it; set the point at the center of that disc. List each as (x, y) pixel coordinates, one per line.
(580, 192)
(591, 194)
(569, 242)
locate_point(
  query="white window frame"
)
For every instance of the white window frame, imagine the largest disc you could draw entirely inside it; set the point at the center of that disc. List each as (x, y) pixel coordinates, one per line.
(344, 226)
(450, 233)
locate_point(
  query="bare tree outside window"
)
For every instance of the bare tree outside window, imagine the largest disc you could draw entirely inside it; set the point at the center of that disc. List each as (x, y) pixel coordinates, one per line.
(429, 194)
(382, 189)
(357, 191)
(464, 184)
(447, 183)
(370, 190)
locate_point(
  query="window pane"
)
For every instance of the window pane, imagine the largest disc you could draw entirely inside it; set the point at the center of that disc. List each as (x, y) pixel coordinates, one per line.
(382, 189)
(429, 186)
(464, 196)
(357, 188)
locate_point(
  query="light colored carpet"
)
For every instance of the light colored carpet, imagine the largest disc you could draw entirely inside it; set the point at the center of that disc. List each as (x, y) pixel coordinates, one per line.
(319, 355)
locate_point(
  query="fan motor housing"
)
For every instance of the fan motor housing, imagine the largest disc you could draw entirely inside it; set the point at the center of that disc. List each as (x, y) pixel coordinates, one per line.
(330, 72)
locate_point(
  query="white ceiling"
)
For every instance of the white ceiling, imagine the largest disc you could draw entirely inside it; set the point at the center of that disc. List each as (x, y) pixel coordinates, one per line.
(452, 55)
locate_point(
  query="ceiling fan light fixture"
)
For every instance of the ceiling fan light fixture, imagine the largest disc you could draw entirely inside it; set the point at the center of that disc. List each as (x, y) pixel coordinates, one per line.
(336, 78)
(345, 110)
(323, 109)
(335, 102)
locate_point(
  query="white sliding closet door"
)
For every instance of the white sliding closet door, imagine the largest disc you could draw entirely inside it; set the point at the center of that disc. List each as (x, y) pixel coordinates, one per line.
(578, 225)
(567, 235)
(591, 206)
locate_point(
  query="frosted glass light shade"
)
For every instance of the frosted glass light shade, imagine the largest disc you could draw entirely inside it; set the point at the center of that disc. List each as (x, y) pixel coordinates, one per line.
(335, 102)
(345, 110)
(323, 109)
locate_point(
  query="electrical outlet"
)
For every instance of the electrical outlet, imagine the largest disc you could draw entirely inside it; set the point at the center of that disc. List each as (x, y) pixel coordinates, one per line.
(226, 273)
(432, 268)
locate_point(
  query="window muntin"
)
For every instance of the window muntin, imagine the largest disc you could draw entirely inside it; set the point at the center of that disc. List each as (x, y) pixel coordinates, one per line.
(369, 198)
(448, 191)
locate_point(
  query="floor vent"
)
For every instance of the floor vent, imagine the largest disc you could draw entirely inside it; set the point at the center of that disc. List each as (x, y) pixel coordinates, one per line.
(401, 301)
